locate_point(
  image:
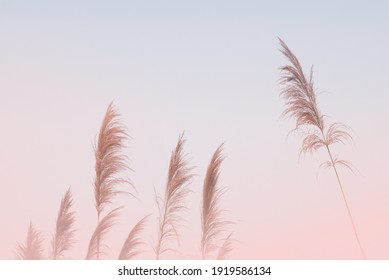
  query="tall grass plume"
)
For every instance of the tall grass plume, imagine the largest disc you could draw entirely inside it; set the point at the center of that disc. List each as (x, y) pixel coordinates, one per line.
(226, 248)
(111, 162)
(212, 223)
(95, 250)
(301, 104)
(179, 175)
(32, 249)
(63, 239)
(131, 245)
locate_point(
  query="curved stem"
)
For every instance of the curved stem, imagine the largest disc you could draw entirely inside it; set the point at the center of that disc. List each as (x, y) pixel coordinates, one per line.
(347, 206)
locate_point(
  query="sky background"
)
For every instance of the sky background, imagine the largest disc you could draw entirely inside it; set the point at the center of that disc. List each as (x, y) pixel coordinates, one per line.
(211, 69)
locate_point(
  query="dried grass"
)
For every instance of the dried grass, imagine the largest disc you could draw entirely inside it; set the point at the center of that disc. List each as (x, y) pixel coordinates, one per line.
(212, 222)
(130, 248)
(179, 175)
(33, 247)
(95, 250)
(111, 162)
(63, 239)
(226, 248)
(301, 105)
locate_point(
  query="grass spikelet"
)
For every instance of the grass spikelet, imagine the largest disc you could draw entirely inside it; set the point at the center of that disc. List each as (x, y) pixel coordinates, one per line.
(211, 220)
(301, 105)
(111, 162)
(130, 248)
(32, 249)
(179, 175)
(63, 239)
(95, 249)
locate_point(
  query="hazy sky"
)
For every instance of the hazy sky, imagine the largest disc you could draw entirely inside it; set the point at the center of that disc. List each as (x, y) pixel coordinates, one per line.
(209, 68)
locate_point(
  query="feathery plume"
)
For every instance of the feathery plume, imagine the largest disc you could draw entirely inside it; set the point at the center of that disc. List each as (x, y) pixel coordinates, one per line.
(130, 247)
(110, 163)
(179, 175)
(106, 223)
(32, 249)
(225, 249)
(110, 159)
(63, 239)
(211, 220)
(301, 105)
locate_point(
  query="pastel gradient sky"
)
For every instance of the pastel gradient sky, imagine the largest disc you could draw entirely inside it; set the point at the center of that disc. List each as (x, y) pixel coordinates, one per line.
(209, 68)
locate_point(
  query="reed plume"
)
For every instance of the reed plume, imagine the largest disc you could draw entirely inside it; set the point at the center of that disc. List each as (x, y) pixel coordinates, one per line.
(63, 239)
(95, 249)
(212, 223)
(301, 105)
(225, 249)
(130, 248)
(32, 249)
(110, 163)
(179, 175)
